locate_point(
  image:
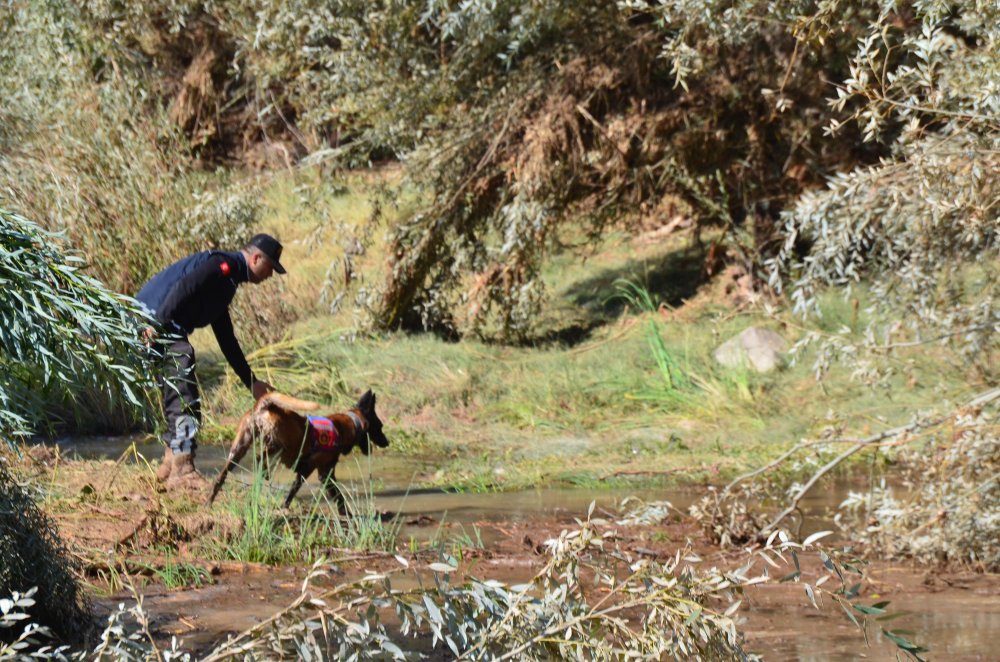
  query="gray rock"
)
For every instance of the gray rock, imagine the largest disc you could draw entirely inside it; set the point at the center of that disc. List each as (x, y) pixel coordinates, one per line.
(755, 347)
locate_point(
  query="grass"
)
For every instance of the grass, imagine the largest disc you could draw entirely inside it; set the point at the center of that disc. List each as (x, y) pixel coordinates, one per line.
(304, 533)
(458, 547)
(180, 574)
(610, 370)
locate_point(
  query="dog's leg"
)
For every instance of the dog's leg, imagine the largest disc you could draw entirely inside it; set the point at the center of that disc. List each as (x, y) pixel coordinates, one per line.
(329, 481)
(302, 471)
(241, 444)
(299, 479)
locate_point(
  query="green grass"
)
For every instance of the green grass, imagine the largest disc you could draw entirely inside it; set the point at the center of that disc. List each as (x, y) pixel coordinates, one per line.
(178, 574)
(305, 532)
(614, 383)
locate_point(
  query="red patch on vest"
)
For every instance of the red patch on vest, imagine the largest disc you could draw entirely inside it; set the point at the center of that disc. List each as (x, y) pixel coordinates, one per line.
(224, 267)
(323, 433)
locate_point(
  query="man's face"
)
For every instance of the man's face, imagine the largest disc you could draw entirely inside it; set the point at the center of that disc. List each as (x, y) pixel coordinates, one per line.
(260, 267)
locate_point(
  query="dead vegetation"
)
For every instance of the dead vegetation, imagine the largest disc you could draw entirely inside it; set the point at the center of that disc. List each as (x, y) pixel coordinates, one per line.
(591, 133)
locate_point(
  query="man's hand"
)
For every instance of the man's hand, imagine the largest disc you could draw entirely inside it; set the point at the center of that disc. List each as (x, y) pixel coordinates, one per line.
(260, 389)
(148, 334)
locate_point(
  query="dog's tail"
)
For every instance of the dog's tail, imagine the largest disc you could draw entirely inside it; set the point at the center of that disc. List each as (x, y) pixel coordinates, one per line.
(286, 402)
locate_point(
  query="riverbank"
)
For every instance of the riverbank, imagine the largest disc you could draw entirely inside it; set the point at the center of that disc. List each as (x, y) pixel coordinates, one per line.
(125, 533)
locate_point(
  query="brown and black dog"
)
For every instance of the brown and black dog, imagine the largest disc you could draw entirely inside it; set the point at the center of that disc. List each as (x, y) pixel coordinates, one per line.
(286, 434)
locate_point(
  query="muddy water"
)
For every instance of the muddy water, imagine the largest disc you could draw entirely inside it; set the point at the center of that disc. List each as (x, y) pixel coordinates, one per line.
(956, 624)
(957, 621)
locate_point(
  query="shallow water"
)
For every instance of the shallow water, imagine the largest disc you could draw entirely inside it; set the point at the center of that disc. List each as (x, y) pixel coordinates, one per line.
(956, 623)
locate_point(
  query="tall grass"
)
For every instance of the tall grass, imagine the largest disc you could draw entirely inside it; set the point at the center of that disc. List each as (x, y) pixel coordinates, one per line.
(273, 535)
(86, 153)
(675, 378)
(695, 387)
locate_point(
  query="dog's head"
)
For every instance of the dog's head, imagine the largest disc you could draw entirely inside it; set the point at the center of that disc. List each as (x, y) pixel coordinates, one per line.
(366, 405)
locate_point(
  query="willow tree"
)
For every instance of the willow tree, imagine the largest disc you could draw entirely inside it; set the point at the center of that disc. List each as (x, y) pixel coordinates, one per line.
(921, 228)
(921, 225)
(529, 121)
(520, 122)
(70, 344)
(67, 342)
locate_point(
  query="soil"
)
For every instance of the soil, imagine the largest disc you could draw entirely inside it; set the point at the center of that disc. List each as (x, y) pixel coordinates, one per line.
(113, 516)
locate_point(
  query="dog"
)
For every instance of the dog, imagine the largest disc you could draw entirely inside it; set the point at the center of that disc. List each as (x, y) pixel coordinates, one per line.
(303, 443)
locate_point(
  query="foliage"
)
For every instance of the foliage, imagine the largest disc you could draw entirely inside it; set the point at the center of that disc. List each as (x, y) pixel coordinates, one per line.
(574, 117)
(949, 470)
(35, 564)
(70, 345)
(591, 600)
(921, 228)
(517, 119)
(733, 518)
(922, 224)
(85, 154)
(950, 509)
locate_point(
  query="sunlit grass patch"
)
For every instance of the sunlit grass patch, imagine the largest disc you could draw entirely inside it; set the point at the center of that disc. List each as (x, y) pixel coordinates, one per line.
(305, 532)
(177, 574)
(601, 365)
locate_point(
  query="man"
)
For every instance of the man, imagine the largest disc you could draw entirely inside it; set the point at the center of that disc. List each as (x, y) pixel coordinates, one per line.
(189, 294)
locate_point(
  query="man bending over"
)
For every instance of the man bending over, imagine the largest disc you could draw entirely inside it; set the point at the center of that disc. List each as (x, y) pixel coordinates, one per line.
(189, 294)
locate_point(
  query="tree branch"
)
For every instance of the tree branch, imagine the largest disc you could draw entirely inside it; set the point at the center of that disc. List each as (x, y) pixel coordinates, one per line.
(978, 401)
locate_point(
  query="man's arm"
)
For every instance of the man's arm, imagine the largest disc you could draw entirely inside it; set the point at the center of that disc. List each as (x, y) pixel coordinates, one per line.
(223, 328)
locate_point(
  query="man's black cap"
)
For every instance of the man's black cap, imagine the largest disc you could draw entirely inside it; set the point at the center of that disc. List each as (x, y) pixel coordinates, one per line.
(270, 247)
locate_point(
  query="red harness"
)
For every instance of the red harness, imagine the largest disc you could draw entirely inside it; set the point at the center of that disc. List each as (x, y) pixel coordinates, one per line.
(323, 433)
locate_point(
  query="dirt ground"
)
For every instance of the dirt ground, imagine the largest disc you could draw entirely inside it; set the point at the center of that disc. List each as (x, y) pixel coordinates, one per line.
(117, 522)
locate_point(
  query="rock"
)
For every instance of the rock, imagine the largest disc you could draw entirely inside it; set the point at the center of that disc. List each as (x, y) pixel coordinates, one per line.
(755, 347)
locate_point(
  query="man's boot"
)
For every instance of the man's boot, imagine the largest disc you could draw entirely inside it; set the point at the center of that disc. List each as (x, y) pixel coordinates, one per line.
(163, 473)
(183, 475)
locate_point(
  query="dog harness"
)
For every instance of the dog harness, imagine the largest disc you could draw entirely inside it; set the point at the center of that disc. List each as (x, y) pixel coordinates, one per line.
(359, 427)
(323, 433)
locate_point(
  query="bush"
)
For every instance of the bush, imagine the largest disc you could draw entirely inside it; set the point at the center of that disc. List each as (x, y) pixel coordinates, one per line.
(32, 555)
(85, 153)
(72, 349)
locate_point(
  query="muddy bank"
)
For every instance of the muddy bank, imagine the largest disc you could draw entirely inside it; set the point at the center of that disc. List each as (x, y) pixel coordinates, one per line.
(114, 516)
(956, 615)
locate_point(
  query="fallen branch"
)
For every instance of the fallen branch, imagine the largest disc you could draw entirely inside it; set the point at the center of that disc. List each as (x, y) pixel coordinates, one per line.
(867, 442)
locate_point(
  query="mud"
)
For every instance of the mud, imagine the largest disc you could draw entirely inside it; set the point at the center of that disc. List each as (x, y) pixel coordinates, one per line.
(956, 615)
(112, 512)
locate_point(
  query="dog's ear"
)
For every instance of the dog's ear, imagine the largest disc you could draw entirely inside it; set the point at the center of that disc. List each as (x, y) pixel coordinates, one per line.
(367, 401)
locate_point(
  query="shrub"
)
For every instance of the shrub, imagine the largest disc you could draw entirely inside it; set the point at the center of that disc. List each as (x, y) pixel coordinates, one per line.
(33, 556)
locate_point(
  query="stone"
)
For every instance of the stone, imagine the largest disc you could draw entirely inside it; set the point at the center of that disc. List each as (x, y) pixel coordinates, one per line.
(756, 347)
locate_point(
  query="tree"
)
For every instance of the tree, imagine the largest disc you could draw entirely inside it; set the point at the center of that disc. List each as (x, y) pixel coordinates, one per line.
(521, 122)
(67, 341)
(922, 229)
(922, 225)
